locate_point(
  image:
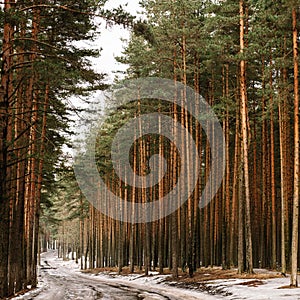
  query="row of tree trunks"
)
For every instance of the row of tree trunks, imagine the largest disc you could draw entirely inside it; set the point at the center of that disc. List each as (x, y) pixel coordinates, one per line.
(249, 222)
(22, 143)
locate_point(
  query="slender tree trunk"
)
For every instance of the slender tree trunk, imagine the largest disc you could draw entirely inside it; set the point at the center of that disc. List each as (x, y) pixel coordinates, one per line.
(174, 219)
(284, 137)
(273, 183)
(295, 233)
(7, 49)
(244, 125)
(160, 196)
(132, 250)
(241, 221)
(236, 174)
(283, 191)
(264, 168)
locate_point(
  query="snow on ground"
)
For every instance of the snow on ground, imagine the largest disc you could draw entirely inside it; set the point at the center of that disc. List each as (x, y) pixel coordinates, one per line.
(231, 289)
(259, 290)
(62, 280)
(154, 286)
(154, 282)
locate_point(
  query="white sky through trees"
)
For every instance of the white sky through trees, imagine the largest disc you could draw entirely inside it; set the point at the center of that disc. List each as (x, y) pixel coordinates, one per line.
(112, 46)
(110, 40)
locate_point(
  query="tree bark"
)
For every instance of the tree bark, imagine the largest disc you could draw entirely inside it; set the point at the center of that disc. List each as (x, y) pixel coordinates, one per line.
(244, 125)
(294, 281)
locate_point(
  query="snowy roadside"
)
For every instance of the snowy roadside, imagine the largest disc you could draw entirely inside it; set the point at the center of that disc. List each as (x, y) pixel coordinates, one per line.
(238, 289)
(231, 289)
(250, 289)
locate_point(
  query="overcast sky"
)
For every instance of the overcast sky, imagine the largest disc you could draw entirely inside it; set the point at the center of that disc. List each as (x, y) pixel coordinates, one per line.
(110, 40)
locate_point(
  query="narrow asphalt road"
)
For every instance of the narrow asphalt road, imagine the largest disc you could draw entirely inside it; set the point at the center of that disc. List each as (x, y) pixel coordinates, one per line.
(59, 281)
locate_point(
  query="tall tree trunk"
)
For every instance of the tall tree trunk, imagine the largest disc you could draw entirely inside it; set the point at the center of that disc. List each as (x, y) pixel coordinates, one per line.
(132, 250)
(235, 186)
(283, 189)
(241, 221)
(284, 136)
(5, 93)
(174, 219)
(160, 196)
(273, 183)
(264, 170)
(295, 233)
(244, 126)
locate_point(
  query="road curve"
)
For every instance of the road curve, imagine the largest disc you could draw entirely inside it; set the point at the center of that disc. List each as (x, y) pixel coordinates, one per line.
(60, 282)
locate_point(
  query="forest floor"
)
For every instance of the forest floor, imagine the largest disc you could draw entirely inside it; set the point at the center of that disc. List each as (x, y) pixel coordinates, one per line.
(221, 284)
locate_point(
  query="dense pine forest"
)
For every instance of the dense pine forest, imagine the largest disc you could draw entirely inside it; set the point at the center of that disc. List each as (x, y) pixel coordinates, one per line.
(240, 56)
(42, 66)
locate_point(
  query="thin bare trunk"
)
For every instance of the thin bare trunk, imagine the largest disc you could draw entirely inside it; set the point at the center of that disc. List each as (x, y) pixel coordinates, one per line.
(295, 233)
(244, 125)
